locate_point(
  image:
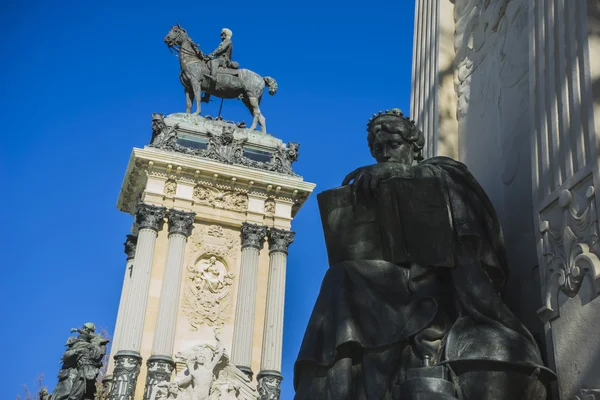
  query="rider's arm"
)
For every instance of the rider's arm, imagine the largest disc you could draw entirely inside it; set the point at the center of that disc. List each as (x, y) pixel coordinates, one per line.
(222, 48)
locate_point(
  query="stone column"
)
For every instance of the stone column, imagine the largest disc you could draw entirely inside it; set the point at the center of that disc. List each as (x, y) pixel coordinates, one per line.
(269, 378)
(241, 352)
(127, 360)
(130, 244)
(161, 364)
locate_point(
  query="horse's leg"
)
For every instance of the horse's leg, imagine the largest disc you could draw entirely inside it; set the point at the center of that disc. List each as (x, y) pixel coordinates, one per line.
(246, 101)
(254, 102)
(189, 100)
(198, 95)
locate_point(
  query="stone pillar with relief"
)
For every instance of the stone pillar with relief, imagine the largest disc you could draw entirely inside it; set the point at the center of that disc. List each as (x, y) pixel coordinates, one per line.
(269, 378)
(252, 242)
(130, 245)
(149, 219)
(161, 363)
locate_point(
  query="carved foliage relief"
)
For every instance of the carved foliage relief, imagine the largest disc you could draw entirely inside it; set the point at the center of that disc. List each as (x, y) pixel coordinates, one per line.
(219, 198)
(208, 290)
(571, 248)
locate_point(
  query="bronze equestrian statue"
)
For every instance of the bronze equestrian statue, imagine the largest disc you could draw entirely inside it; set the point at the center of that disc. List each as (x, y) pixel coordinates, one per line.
(214, 74)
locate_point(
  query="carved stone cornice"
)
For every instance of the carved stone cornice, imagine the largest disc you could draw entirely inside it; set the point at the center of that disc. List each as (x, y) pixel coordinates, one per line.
(180, 222)
(127, 369)
(280, 239)
(253, 235)
(160, 369)
(130, 245)
(149, 217)
(269, 385)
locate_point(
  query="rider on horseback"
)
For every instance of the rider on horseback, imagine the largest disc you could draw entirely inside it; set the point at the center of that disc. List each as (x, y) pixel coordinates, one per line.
(221, 57)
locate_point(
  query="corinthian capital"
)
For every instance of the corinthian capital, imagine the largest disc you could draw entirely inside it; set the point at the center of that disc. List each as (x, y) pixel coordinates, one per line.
(253, 235)
(149, 217)
(130, 245)
(180, 221)
(279, 239)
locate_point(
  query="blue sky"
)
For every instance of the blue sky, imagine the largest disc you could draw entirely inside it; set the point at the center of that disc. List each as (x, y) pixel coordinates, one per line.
(79, 83)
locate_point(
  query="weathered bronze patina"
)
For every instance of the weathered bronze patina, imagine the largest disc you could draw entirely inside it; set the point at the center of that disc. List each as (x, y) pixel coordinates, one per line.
(410, 307)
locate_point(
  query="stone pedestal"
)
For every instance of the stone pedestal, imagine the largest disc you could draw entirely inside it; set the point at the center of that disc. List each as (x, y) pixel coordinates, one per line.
(252, 241)
(127, 369)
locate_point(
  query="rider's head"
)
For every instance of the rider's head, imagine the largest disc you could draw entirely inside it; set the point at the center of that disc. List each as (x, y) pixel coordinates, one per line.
(226, 34)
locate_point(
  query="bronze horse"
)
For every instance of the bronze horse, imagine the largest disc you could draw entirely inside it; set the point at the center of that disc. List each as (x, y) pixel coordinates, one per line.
(232, 83)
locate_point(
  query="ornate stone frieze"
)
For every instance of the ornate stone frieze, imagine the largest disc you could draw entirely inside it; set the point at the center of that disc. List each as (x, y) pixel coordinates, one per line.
(571, 248)
(150, 217)
(253, 235)
(588, 394)
(130, 245)
(170, 188)
(269, 385)
(180, 221)
(280, 239)
(127, 369)
(218, 198)
(207, 298)
(223, 148)
(160, 369)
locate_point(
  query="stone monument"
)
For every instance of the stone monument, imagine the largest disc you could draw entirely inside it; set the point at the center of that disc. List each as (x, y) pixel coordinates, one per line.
(513, 84)
(410, 307)
(205, 194)
(81, 364)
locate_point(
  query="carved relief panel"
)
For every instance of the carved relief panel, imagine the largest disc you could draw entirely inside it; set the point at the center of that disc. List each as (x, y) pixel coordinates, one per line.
(208, 288)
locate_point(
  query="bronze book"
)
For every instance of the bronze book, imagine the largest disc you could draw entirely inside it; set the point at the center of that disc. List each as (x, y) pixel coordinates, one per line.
(409, 221)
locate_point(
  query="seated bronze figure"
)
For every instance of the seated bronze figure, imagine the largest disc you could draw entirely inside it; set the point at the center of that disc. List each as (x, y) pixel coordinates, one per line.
(410, 307)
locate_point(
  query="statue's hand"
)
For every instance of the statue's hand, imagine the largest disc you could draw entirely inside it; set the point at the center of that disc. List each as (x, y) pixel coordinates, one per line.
(367, 179)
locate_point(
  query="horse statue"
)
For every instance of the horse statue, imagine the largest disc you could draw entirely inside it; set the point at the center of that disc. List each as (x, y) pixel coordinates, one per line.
(230, 83)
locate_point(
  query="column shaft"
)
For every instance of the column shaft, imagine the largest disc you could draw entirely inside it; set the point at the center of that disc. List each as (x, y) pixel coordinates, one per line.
(128, 360)
(130, 245)
(241, 352)
(114, 348)
(160, 364)
(273, 332)
(131, 337)
(269, 378)
(164, 336)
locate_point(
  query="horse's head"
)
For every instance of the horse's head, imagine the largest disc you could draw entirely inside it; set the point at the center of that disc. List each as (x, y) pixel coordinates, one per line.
(176, 36)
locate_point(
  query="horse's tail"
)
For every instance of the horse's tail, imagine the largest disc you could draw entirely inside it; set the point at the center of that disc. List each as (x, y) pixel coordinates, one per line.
(271, 84)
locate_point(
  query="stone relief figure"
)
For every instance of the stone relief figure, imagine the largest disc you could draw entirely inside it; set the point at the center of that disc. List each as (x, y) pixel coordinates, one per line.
(81, 364)
(410, 307)
(198, 76)
(207, 300)
(208, 376)
(162, 135)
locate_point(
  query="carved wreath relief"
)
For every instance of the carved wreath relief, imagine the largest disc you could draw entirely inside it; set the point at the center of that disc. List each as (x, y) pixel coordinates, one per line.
(207, 296)
(170, 188)
(218, 198)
